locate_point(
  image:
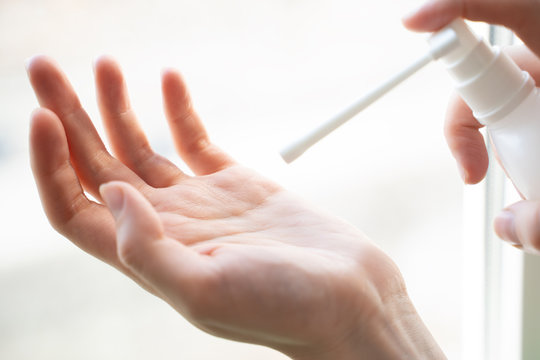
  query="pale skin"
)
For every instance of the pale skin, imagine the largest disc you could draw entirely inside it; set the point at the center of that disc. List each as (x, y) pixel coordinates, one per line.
(519, 223)
(236, 254)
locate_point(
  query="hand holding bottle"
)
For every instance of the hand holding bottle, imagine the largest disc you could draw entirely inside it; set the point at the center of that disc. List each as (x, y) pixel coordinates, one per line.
(519, 223)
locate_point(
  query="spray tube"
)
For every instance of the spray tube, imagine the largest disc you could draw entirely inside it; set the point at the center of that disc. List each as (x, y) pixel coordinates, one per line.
(502, 97)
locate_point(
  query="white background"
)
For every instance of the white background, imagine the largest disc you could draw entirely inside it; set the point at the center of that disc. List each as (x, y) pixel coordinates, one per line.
(261, 73)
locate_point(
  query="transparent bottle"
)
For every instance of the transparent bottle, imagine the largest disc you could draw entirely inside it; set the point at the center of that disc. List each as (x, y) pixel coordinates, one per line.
(502, 97)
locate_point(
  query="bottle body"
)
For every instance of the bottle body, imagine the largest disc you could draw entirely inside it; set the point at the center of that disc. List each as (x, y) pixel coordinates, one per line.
(502, 97)
(516, 138)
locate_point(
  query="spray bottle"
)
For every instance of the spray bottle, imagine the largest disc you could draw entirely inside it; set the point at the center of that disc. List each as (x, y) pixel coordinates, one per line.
(504, 99)
(500, 94)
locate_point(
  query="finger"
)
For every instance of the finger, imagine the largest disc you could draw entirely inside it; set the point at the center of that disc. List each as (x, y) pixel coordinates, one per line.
(462, 132)
(89, 157)
(520, 16)
(128, 141)
(173, 269)
(86, 223)
(462, 129)
(189, 134)
(519, 224)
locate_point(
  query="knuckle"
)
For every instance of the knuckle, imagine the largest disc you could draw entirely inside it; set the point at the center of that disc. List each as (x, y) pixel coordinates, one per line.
(199, 144)
(64, 219)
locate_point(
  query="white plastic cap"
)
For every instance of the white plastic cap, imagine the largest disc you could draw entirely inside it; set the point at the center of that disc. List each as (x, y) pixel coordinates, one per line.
(485, 77)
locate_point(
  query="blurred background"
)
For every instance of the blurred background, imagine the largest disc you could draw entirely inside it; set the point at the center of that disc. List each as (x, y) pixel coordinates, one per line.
(261, 73)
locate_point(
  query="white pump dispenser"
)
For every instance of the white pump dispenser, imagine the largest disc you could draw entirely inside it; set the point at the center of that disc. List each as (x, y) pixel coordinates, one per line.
(502, 97)
(500, 94)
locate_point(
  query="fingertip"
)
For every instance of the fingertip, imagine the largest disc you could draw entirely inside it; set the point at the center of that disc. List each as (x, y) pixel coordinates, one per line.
(465, 141)
(175, 93)
(28, 63)
(113, 195)
(35, 61)
(463, 174)
(431, 16)
(412, 19)
(104, 59)
(472, 165)
(36, 69)
(48, 144)
(172, 79)
(105, 62)
(138, 226)
(505, 227)
(120, 195)
(169, 71)
(38, 115)
(111, 88)
(43, 113)
(519, 224)
(38, 124)
(45, 127)
(39, 66)
(106, 67)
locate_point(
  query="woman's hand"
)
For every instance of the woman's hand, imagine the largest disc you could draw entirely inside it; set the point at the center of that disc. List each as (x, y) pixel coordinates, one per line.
(234, 253)
(519, 224)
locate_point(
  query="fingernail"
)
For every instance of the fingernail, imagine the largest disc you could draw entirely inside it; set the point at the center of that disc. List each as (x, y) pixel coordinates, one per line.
(463, 173)
(28, 61)
(505, 227)
(113, 195)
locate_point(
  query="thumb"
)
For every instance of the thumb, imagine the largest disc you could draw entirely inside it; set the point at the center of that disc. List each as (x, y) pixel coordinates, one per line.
(138, 226)
(165, 264)
(519, 224)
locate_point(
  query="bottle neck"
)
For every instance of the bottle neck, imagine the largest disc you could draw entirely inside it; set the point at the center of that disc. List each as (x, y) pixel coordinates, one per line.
(486, 78)
(490, 83)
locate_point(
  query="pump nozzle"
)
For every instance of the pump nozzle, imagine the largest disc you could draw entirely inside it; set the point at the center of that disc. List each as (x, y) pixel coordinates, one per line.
(441, 43)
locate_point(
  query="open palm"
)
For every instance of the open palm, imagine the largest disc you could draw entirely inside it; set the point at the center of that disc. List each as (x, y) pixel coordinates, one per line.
(234, 253)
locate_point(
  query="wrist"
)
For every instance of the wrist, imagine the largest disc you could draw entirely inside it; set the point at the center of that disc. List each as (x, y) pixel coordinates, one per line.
(394, 330)
(399, 333)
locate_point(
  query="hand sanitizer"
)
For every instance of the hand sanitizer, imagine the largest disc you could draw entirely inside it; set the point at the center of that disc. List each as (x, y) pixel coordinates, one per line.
(502, 97)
